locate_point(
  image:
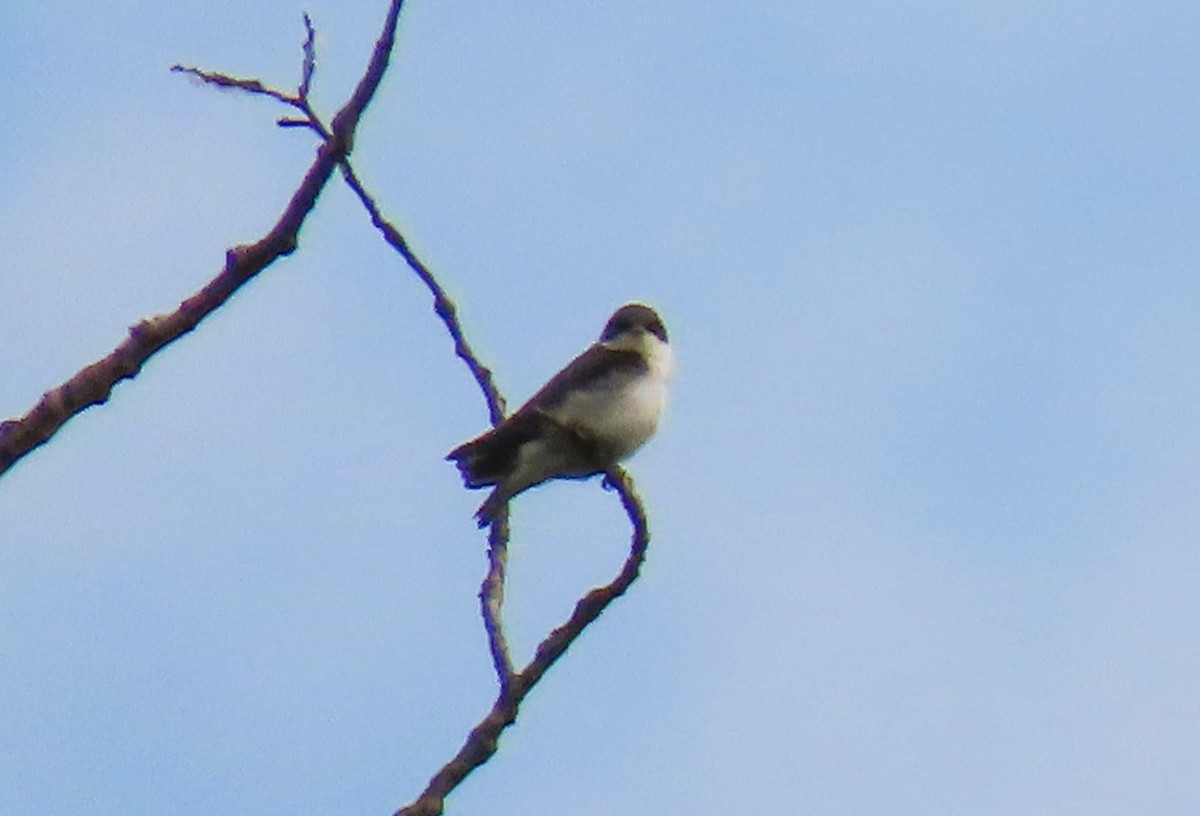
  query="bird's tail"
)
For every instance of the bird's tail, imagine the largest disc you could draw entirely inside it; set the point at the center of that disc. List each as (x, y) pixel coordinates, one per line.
(477, 465)
(486, 459)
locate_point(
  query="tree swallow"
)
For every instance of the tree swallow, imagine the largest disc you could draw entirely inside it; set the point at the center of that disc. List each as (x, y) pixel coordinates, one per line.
(591, 415)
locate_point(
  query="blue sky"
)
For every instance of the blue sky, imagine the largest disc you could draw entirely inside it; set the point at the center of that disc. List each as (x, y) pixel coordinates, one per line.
(924, 504)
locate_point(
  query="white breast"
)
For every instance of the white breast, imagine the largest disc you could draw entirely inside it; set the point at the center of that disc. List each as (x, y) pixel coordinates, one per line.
(626, 416)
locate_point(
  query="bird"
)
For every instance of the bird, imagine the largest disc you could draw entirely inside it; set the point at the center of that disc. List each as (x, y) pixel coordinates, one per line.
(594, 413)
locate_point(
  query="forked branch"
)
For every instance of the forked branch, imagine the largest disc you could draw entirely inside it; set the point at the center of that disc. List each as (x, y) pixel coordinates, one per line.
(94, 384)
(484, 738)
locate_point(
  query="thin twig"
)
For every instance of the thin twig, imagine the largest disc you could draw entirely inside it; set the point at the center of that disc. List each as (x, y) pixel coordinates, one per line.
(251, 86)
(310, 59)
(484, 738)
(491, 591)
(589, 607)
(299, 101)
(442, 304)
(491, 600)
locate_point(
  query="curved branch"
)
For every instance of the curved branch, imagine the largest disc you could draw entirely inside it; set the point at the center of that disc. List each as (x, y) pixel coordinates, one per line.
(442, 304)
(93, 385)
(484, 738)
(491, 590)
(491, 600)
(589, 607)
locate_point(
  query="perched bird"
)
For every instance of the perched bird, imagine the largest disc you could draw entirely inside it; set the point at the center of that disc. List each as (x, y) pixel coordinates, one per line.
(591, 415)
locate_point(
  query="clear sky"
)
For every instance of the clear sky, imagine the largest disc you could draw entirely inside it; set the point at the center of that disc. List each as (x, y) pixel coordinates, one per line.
(925, 503)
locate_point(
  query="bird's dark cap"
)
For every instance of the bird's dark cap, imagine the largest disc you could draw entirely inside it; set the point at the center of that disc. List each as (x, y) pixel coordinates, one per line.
(634, 316)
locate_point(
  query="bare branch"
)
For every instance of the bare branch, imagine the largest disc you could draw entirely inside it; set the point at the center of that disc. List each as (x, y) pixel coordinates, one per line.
(94, 384)
(589, 607)
(484, 738)
(254, 86)
(444, 307)
(442, 304)
(310, 58)
(251, 86)
(491, 591)
(491, 600)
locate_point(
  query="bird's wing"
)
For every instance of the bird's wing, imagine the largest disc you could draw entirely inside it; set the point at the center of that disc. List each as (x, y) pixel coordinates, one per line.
(488, 457)
(585, 371)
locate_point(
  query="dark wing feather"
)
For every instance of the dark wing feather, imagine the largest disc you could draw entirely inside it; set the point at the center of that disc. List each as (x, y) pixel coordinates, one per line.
(590, 367)
(487, 458)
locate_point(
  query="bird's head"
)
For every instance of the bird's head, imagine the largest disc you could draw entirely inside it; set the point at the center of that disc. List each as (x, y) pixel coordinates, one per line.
(632, 326)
